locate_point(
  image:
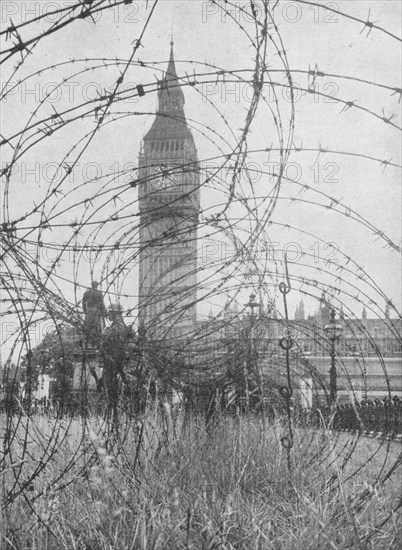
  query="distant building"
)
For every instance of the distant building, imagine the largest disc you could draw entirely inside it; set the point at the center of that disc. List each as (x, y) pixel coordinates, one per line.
(169, 211)
(368, 360)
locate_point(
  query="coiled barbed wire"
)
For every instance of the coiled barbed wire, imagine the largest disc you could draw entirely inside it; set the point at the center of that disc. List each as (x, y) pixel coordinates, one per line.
(73, 227)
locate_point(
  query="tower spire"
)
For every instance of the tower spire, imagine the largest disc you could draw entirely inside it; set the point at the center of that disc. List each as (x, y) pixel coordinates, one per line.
(170, 121)
(171, 69)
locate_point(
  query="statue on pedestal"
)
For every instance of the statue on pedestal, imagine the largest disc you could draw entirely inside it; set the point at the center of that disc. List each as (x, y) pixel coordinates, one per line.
(95, 313)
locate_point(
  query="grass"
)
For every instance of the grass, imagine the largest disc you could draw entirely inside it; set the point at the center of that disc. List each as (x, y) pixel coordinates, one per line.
(80, 485)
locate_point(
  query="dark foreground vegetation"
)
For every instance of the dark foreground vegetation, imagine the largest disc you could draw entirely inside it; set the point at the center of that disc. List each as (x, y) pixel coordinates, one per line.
(159, 482)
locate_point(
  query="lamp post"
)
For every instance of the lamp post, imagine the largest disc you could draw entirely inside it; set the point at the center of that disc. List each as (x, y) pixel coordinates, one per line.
(252, 304)
(333, 331)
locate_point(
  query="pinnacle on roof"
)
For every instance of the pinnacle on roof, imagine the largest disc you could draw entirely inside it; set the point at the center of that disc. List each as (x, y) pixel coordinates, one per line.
(171, 69)
(170, 94)
(170, 121)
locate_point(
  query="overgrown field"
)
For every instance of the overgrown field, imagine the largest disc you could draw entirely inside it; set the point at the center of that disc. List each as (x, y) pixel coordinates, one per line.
(81, 484)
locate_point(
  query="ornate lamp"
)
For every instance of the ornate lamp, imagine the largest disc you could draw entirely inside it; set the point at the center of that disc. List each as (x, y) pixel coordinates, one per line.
(333, 330)
(252, 304)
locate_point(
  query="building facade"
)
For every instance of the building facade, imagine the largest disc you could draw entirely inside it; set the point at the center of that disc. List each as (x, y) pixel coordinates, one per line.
(247, 345)
(169, 204)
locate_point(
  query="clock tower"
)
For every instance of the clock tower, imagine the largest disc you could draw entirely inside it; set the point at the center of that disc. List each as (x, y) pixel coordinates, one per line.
(169, 210)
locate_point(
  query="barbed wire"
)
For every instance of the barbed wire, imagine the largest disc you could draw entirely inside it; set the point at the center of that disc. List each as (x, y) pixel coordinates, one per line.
(236, 201)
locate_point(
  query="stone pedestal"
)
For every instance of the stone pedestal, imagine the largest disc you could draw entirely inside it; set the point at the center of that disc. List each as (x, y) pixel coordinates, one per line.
(87, 369)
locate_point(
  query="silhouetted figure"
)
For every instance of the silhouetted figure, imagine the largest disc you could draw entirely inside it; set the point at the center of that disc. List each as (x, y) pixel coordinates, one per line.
(95, 313)
(117, 342)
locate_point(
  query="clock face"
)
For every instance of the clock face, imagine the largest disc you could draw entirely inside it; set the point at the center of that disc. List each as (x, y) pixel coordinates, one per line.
(160, 177)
